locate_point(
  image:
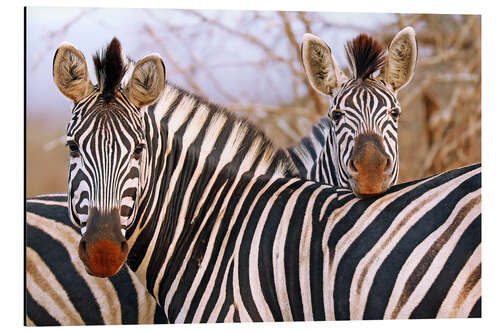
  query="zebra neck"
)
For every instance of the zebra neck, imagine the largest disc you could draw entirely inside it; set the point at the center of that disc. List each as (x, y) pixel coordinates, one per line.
(324, 169)
(196, 151)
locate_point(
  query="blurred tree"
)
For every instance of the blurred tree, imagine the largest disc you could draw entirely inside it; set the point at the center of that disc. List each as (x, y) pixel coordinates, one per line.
(250, 61)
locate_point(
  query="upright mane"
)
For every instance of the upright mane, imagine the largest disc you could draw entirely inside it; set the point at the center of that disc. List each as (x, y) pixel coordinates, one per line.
(110, 68)
(255, 139)
(365, 56)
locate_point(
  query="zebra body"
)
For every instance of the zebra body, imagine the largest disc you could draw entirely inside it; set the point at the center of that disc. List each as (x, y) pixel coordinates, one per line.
(363, 255)
(288, 249)
(219, 234)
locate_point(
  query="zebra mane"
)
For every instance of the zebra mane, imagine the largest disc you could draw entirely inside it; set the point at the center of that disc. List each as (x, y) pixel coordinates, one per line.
(306, 151)
(276, 157)
(110, 67)
(365, 56)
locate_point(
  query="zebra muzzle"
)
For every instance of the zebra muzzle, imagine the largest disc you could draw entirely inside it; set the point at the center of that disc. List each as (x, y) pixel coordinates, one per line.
(103, 248)
(369, 166)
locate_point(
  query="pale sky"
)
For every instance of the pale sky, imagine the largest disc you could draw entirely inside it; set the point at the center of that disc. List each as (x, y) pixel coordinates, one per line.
(93, 28)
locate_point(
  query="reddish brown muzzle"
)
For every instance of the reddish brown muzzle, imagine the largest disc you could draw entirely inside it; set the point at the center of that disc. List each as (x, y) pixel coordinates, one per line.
(369, 166)
(103, 248)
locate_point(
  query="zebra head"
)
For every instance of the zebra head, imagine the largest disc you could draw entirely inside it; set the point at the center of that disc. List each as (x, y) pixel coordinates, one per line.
(364, 109)
(107, 147)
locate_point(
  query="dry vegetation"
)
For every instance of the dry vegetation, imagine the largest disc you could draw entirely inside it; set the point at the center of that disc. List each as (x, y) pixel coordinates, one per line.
(440, 127)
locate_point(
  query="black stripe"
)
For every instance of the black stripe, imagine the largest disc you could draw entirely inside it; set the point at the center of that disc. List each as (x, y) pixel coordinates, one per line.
(476, 310)
(292, 247)
(52, 212)
(127, 296)
(316, 263)
(57, 198)
(38, 315)
(229, 297)
(265, 261)
(244, 251)
(307, 144)
(297, 161)
(469, 241)
(160, 317)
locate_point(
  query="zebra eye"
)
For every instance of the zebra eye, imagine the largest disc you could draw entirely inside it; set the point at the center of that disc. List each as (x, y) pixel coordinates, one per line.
(138, 150)
(336, 115)
(73, 149)
(395, 112)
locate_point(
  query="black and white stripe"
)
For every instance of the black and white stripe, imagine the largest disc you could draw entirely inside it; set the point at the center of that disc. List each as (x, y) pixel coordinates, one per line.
(306, 152)
(376, 250)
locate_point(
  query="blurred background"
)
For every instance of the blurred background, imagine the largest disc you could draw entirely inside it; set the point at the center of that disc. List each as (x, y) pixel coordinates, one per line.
(249, 62)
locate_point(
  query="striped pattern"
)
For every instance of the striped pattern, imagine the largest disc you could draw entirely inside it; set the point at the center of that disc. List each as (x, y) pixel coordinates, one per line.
(221, 232)
(324, 154)
(341, 257)
(306, 152)
(218, 254)
(59, 291)
(111, 182)
(374, 251)
(106, 183)
(115, 129)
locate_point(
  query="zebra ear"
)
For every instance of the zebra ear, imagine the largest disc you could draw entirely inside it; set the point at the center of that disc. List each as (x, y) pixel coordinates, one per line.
(321, 69)
(70, 73)
(401, 59)
(147, 81)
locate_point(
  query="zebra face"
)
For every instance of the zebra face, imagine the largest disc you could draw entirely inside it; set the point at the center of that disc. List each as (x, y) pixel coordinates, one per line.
(107, 147)
(364, 109)
(365, 117)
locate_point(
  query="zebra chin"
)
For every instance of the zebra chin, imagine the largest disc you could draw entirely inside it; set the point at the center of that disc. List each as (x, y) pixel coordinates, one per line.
(103, 249)
(363, 190)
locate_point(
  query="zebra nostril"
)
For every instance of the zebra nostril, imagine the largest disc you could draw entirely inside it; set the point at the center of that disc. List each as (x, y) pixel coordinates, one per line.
(83, 245)
(387, 164)
(124, 247)
(352, 166)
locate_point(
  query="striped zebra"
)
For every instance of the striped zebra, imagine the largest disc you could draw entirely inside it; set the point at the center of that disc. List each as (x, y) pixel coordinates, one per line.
(215, 231)
(46, 220)
(360, 150)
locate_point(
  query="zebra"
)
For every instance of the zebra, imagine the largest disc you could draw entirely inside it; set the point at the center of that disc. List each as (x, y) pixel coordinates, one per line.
(360, 150)
(43, 221)
(216, 232)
